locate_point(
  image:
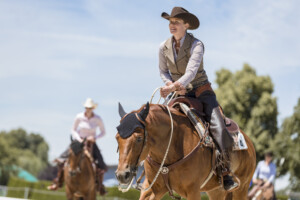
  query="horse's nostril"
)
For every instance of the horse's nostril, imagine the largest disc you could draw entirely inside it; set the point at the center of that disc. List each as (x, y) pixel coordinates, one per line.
(127, 174)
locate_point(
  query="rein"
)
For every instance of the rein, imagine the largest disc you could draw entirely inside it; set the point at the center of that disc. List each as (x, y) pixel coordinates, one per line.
(169, 144)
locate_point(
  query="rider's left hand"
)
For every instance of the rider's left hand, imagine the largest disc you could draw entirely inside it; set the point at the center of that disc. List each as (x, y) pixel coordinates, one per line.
(91, 139)
(267, 184)
(164, 91)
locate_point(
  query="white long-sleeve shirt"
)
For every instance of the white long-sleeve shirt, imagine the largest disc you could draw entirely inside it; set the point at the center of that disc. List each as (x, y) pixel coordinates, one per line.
(197, 51)
(84, 127)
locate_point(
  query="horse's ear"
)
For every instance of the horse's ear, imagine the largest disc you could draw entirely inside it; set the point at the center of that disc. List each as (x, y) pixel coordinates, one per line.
(144, 112)
(122, 113)
(71, 138)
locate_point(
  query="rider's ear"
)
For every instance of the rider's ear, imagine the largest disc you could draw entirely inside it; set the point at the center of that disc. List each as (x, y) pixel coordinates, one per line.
(144, 113)
(122, 113)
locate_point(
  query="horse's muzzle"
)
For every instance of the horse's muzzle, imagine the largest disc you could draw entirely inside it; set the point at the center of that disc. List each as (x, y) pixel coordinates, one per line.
(125, 176)
(72, 173)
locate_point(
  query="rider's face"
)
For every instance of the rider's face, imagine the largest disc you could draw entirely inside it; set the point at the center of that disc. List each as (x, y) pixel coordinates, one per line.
(88, 112)
(177, 27)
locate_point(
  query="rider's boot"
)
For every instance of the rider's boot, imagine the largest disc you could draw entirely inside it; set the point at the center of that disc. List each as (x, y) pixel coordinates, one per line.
(59, 180)
(99, 181)
(228, 181)
(224, 143)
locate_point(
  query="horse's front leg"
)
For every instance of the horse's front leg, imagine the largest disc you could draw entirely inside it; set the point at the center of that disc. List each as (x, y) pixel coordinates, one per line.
(217, 194)
(194, 196)
(69, 194)
(90, 195)
(150, 194)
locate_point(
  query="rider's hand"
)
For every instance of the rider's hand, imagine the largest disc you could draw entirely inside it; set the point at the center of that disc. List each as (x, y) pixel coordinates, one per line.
(90, 138)
(181, 92)
(255, 181)
(266, 184)
(166, 90)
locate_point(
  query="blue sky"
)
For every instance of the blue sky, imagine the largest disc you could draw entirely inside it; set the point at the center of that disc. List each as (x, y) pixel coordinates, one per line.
(54, 54)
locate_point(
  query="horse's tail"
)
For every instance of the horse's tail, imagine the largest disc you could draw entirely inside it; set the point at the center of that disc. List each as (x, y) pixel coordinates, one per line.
(229, 196)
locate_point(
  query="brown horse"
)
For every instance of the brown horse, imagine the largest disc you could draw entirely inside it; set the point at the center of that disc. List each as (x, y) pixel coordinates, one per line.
(79, 174)
(187, 178)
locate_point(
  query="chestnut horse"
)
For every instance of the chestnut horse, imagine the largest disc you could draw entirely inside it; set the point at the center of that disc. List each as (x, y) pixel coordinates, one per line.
(79, 174)
(188, 178)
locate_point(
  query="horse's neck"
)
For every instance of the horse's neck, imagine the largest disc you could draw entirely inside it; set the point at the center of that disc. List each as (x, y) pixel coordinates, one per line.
(159, 136)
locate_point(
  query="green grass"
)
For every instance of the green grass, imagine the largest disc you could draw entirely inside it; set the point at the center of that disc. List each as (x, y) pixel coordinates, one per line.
(38, 191)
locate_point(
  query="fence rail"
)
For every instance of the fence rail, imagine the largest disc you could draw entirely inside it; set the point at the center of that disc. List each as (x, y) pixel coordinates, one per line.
(4, 190)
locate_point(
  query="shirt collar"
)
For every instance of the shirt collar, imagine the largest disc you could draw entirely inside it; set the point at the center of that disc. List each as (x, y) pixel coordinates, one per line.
(181, 40)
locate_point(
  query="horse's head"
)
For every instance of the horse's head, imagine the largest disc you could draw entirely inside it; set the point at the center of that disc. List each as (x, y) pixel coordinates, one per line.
(76, 155)
(131, 138)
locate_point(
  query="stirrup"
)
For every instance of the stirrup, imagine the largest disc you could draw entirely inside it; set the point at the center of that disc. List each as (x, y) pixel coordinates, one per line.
(233, 185)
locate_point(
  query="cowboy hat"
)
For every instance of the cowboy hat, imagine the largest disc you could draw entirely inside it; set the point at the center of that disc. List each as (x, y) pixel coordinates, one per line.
(186, 16)
(89, 103)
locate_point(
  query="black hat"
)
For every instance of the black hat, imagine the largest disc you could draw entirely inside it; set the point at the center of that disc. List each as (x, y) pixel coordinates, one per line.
(186, 16)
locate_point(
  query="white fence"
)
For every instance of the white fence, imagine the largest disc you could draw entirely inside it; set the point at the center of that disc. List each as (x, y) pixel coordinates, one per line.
(4, 190)
(26, 190)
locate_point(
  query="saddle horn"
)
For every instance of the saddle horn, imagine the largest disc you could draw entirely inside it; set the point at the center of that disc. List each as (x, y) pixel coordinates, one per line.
(144, 113)
(122, 113)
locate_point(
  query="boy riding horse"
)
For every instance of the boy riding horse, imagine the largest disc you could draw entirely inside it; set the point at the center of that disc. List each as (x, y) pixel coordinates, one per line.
(181, 68)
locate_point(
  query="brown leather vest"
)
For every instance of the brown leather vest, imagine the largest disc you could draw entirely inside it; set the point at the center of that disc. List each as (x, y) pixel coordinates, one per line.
(177, 68)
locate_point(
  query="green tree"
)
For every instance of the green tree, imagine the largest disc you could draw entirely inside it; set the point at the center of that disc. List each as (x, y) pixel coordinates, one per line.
(28, 151)
(6, 160)
(286, 147)
(247, 98)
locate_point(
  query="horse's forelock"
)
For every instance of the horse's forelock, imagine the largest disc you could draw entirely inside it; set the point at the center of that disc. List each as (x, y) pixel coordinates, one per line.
(76, 147)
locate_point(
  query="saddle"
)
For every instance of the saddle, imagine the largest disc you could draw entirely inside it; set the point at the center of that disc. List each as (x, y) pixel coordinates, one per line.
(193, 109)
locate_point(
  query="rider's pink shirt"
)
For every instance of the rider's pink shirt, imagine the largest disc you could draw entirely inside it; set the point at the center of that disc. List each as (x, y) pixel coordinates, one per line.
(84, 127)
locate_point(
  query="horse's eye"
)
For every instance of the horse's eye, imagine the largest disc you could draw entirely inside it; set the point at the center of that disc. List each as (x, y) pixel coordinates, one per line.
(139, 139)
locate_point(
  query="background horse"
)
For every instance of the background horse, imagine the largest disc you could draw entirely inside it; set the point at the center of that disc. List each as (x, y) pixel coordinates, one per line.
(187, 178)
(262, 193)
(79, 174)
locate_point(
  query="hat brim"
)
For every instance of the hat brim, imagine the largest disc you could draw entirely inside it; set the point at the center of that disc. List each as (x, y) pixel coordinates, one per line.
(191, 19)
(90, 106)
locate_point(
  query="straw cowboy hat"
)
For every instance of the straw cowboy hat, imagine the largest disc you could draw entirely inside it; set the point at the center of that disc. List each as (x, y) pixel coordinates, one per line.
(89, 103)
(186, 16)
